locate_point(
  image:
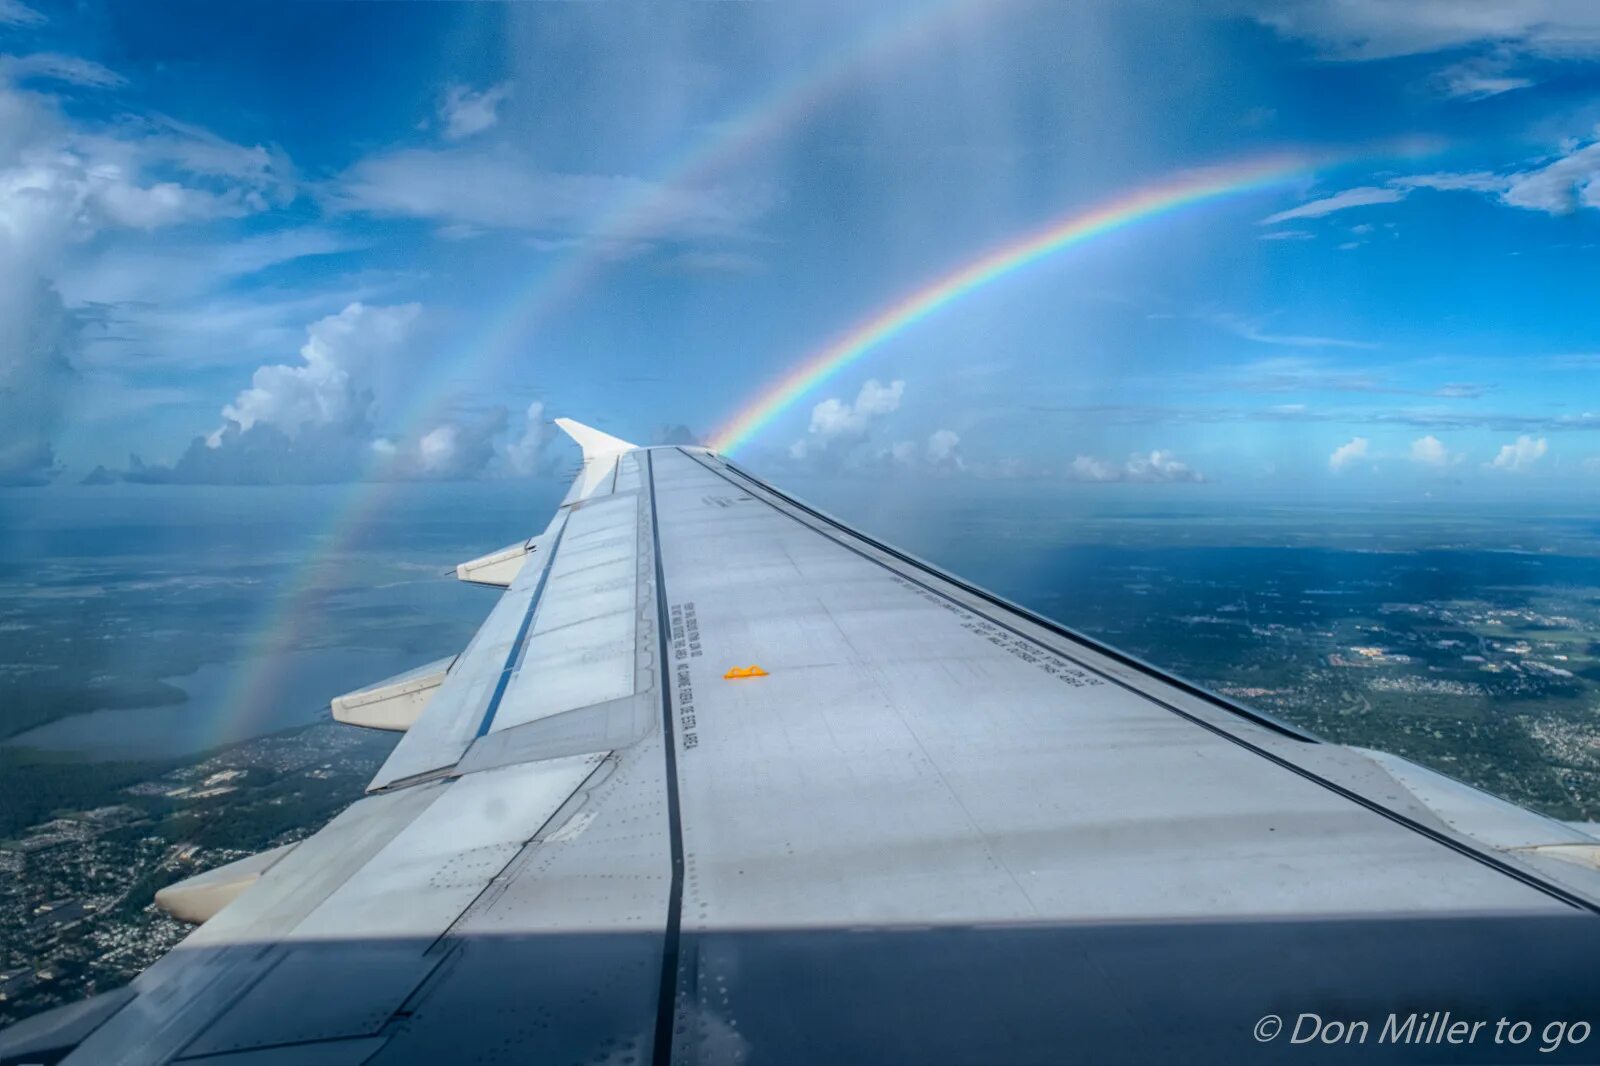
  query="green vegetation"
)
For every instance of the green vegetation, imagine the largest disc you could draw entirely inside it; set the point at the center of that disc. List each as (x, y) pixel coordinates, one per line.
(36, 786)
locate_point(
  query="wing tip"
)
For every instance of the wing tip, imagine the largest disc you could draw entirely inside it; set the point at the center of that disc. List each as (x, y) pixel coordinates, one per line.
(595, 444)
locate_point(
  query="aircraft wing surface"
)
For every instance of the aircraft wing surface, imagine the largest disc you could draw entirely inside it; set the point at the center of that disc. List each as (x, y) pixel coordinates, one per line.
(721, 780)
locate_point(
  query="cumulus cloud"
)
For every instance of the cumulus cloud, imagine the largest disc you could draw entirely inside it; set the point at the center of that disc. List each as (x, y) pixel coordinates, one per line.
(525, 456)
(835, 420)
(1352, 451)
(1430, 451)
(62, 185)
(1520, 456)
(332, 384)
(38, 340)
(450, 451)
(465, 112)
(1153, 467)
(313, 420)
(944, 448)
(940, 452)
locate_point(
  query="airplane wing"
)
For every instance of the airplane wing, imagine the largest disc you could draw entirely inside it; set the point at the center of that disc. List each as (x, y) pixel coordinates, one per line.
(722, 780)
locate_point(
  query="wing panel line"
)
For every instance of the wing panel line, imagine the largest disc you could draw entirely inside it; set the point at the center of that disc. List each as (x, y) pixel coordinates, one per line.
(764, 491)
(666, 1008)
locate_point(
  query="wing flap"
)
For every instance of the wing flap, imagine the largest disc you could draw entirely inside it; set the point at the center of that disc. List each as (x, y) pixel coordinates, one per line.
(499, 568)
(395, 703)
(197, 899)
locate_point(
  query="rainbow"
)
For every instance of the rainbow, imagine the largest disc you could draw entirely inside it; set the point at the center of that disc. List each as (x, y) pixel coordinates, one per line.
(1150, 202)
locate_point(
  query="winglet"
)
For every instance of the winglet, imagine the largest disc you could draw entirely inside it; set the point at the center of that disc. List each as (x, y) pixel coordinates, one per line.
(595, 445)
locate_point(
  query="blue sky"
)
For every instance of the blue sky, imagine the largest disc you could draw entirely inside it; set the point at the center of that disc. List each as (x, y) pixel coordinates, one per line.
(352, 241)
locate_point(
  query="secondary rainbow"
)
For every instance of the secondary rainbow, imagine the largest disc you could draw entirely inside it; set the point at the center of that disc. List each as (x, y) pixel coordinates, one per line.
(506, 331)
(642, 212)
(1150, 202)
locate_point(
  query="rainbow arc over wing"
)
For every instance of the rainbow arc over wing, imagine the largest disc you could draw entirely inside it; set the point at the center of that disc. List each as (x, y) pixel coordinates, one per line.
(1144, 204)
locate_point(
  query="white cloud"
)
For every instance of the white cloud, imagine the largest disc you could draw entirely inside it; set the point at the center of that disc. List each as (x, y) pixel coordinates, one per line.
(1560, 187)
(1361, 196)
(1469, 85)
(1471, 181)
(127, 204)
(878, 399)
(1153, 467)
(525, 455)
(941, 452)
(262, 169)
(333, 385)
(465, 112)
(1520, 456)
(181, 270)
(51, 66)
(450, 451)
(38, 340)
(75, 196)
(496, 188)
(944, 448)
(1368, 29)
(16, 13)
(1289, 235)
(833, 419)
(1430, 451)
(838, 428)
(1252, 330)
(313, 421)
(1088, 468)
(1352, 451)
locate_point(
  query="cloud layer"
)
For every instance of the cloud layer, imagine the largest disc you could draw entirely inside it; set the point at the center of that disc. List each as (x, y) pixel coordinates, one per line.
(1149, 468)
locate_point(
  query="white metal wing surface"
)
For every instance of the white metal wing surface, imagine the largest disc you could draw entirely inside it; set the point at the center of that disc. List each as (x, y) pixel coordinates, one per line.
(929, 827)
